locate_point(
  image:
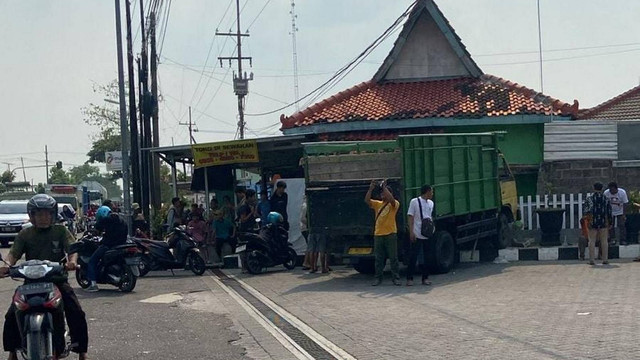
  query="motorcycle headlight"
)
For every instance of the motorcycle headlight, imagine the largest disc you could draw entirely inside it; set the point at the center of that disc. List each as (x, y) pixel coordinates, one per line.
(34, 272)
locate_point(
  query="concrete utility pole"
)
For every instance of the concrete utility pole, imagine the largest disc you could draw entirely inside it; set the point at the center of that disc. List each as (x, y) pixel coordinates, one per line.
(190, 124)
(154, 178)
(24, 174)
(123, 121)
(240, 80)
(133, 119)
(145, 113)
(46, 162)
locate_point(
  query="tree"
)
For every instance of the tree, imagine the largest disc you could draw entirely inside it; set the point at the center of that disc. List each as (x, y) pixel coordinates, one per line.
(40, 188)
(79, 174)
(59, 176)
(7, 176)
(105, 117)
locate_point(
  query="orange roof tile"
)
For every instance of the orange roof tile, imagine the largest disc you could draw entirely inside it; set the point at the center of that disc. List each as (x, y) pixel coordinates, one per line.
(625, 106)
(465, 97)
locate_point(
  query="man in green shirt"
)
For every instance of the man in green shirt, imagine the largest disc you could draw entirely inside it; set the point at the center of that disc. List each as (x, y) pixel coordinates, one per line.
(46, 241)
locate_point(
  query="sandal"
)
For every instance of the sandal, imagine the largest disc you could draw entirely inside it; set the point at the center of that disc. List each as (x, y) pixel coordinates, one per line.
(426, 282)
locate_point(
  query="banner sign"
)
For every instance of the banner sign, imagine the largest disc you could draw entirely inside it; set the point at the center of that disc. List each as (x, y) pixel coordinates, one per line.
(222, 153)
(113, 159)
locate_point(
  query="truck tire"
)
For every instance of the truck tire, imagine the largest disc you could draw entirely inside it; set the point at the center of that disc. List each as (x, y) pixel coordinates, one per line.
(441, 257)
(503, 239)
(365, 266)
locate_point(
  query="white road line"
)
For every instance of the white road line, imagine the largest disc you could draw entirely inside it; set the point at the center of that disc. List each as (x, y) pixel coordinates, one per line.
(283, 338)
(325, 343)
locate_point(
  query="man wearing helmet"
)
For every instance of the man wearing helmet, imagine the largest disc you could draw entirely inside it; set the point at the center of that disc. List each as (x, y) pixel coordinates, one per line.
(46, 241)
(115, 233)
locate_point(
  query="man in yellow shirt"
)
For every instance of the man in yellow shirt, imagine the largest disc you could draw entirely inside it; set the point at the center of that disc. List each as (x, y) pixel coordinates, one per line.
(386, 232)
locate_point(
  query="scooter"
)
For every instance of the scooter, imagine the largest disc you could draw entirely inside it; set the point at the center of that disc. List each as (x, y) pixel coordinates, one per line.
(38, 306)
(269, 247)
(118, 267)
(157, 255)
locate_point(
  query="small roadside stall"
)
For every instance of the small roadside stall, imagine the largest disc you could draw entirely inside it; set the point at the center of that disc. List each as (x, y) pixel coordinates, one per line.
(220, 167)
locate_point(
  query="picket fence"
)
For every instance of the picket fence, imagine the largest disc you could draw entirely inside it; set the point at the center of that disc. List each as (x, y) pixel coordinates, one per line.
(572, 203)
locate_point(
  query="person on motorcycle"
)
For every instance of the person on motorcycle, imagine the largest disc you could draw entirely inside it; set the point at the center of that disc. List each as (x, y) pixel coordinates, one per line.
(46, 241)
(69, 215)
(115, 233)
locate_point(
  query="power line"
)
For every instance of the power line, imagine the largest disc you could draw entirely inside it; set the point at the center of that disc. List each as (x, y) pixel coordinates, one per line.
(358, 59)
(257, 16)
(560, 50)
(563, 59)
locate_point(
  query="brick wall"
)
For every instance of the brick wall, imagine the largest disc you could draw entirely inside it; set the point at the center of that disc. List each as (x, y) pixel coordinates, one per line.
(576, 176)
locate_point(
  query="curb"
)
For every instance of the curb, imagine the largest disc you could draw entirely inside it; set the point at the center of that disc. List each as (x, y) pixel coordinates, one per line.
(544, 253)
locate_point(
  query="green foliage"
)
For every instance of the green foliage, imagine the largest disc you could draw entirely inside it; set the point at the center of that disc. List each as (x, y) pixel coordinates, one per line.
(634, 198)
(7, 176)
(59, 176)
(79, 174)
(3, 188)
(105, 117)
(40, 188)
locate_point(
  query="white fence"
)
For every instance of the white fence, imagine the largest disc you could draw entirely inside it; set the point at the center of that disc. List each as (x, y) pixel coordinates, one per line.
(572, 203)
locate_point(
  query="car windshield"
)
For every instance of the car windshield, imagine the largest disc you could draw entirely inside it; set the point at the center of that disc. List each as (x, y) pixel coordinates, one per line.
(13, 208)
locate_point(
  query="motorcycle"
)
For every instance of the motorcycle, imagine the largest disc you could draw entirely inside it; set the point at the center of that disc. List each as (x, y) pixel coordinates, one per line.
(157, 255)
(269, 247)
(118, 267)
(38, 306)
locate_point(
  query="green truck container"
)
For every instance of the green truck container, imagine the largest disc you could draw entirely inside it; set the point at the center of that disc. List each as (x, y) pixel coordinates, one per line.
(475, 194)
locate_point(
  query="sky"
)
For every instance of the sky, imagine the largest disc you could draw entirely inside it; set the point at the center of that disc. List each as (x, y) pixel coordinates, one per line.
(54, 52)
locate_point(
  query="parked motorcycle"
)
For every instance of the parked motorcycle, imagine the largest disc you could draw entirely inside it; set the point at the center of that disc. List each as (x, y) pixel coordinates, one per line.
(38, 306)
(118, 267)
(269, 247)
(157, 255)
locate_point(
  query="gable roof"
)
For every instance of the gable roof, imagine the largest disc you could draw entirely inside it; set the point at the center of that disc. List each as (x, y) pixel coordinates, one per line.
(443, 54)
(625, 106)
(465, 97)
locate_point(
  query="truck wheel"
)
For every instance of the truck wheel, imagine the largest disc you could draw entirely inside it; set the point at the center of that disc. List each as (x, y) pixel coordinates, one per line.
(365, 266)
(442, 252)
(504, 232)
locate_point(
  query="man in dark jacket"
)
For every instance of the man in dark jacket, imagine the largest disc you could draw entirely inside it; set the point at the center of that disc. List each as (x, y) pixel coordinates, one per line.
(114, 233)
(279, 201)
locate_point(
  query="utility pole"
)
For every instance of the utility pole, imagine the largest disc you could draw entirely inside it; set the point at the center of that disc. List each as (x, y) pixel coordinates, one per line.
(154, 182)
(145, 125)
(294, 30)
(46, 162)
(240, 80)
(123, 121)
(24, 174)
(540, 48)
(133, 119)
(190, 124)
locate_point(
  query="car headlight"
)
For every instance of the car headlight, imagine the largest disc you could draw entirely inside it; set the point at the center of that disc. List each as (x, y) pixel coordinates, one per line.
(34, 272)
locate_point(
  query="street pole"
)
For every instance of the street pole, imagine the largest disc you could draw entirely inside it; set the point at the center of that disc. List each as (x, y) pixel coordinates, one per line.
(46, 161)
(123, 121)
(24, 174)
(133, 119)
(155, 160)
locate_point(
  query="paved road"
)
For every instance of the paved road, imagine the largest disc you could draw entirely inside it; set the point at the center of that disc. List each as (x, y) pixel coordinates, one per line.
(536, 310)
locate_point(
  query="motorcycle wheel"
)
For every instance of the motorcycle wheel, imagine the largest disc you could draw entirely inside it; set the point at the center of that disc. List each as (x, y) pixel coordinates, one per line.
(81, 278)
(196, 264)
(292, 257)
(145, 266)
(128, 280)
(37, 345)
(254, 265)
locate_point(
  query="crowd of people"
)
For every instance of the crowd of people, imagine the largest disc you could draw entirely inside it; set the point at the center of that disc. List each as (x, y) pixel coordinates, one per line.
(216, 230)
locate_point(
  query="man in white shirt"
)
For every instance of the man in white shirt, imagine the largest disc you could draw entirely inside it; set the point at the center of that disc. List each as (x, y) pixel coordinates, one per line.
(420, 208)
(619, 200)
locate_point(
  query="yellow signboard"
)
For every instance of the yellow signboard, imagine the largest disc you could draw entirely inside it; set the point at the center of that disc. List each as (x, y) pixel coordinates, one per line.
(222, 153)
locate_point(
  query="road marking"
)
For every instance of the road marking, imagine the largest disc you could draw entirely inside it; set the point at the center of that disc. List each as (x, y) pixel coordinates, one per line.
(325, 343)
(163, 299)
(282, 338)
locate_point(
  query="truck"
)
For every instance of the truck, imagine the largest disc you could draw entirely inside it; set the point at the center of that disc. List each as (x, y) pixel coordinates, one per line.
(475, 195)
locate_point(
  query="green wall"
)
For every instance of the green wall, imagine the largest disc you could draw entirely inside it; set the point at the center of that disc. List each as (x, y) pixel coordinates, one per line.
(522, 145)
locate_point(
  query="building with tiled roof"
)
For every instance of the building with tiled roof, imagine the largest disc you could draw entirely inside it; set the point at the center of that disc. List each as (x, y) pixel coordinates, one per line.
(429, 83)
(625, 106)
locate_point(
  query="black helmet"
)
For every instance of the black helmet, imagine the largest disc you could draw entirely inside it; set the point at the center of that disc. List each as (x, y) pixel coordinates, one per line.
(45, 202)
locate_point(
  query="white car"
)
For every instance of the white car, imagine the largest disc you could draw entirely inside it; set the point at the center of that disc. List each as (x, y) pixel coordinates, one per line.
(13, 217)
